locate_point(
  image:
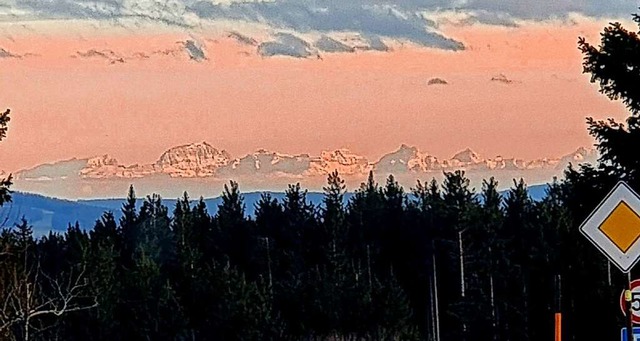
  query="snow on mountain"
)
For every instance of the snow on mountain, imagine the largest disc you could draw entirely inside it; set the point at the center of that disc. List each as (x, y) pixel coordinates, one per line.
(582, 155)
(105, 166)
(100, 161)
(341, 160)
(404, 159)
(201, 160)
(102, 167)
(192, 160)
(264, 162)
(409, 160)
(467, 156)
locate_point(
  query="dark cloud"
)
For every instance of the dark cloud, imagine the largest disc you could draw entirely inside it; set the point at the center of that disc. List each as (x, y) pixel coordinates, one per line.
(437, 81)
(7, 54)
(394, 19)
(549, 9)
(169, 12)
(328, 44)
(109, 55)
(501, 78)
(195, 50)
(241, 38)
(492, 18)
(330, 16)
(174, 52)
(286, 44)
(376, 44)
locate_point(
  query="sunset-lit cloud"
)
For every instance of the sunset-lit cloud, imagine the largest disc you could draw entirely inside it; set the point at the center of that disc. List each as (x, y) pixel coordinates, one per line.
(409, 20)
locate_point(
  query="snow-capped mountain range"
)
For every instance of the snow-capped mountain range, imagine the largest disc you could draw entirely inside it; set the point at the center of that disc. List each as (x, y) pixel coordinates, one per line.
(202, 169)
(201, 160)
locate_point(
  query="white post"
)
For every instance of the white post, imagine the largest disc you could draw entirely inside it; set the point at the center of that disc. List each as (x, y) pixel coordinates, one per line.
(461, 253)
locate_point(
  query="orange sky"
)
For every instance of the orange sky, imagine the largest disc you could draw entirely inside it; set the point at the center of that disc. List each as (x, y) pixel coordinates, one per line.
(372, 102)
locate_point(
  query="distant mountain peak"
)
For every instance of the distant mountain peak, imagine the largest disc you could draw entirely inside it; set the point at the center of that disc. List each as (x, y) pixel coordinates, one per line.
(202, 160)
(581, 155)
(337, 154)
(193, 160)
(341, 160)
(406, 147)
(467, 156)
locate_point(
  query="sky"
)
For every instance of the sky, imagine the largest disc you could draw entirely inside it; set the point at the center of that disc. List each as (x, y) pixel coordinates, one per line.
(134, 78)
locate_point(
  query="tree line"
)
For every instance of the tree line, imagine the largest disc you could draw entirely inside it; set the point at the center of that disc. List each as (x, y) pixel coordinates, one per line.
(438, 262)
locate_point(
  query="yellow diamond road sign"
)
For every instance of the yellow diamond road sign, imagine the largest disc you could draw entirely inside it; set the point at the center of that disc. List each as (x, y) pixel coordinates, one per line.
(614, 227)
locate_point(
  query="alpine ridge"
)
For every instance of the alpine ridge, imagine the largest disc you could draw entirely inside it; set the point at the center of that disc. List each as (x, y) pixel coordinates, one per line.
(201, 160)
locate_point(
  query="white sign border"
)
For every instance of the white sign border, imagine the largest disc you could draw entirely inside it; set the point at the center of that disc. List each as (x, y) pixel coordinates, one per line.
(591, 226)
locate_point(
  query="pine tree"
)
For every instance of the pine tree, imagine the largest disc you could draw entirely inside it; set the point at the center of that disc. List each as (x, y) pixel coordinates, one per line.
(271, 228)
(365, 210)
(5, 183)
(300, 225)
(490, 250)
(333, 218)
(106, 276)
(232, 208)
(459, 205)
(130, 228)
(615, 66)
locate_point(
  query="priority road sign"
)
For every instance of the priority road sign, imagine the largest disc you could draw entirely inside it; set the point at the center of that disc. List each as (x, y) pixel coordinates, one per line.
(614, 227)
(634, 300)
(636, 334)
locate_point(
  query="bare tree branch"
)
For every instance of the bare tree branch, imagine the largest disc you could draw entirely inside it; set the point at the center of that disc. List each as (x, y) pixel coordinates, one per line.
(32, 294)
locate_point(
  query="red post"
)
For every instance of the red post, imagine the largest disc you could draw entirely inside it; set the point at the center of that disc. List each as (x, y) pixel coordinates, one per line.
(558, 327)
(558, 334)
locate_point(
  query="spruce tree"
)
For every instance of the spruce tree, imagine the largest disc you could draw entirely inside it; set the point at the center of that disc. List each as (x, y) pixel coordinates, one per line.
(5, 183)
(615, 67)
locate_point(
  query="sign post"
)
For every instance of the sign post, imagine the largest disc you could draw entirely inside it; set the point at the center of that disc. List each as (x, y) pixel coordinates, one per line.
(558, 319)
(614, 228)
(628, 297)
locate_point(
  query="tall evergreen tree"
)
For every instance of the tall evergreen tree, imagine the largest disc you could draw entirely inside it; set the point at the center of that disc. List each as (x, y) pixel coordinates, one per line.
(615, 66)
(459, 204)
(5, 183)
(333, 218)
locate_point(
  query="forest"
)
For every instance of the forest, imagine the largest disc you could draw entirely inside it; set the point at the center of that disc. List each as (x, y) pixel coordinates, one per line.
(438, 261)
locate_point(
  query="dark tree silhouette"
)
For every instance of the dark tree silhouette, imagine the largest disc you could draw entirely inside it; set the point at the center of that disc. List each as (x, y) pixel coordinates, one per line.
(615, 67)
(5, 183)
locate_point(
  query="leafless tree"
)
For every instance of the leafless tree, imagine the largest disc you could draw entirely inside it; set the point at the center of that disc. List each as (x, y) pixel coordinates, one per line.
(33, 301)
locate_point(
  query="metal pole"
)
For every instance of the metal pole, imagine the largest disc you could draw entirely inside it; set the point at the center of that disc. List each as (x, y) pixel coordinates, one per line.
(629, 301)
